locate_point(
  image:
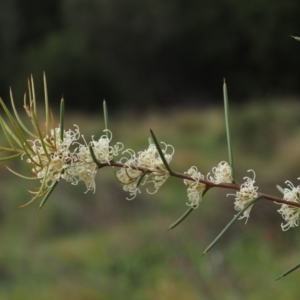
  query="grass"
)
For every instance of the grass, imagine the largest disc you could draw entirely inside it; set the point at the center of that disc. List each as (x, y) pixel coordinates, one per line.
(100, 246)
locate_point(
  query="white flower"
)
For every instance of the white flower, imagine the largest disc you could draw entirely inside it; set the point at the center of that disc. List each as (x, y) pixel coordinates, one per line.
(53, 155)
(290, 214)
(82, 168)
(245, 195)
(68, 159)
(149, 160)
(129, 175)
(195, 188)
(102, 149)
(222, 173)
(51, 161)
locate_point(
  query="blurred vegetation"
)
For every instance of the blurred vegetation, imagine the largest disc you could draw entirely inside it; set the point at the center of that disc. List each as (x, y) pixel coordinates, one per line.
(142, 54)
(100, 246)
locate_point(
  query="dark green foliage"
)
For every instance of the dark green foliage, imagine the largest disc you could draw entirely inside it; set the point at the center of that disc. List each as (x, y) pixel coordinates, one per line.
(139, 52)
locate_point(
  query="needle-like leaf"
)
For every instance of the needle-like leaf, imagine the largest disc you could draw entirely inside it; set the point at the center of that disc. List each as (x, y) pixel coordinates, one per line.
(39, 193)
(280, 189)
(10, 136)
(141, 179)
(161, 154)
(10, 157)
(181, 218)
(17, 115)
(96, 161)
(105, 113)
(226, 109)
(296, 38)
(62, 118)
(46, 197)
(40, 136)
(33, 99)
(46, 104)
(214, 242)
(289, 271)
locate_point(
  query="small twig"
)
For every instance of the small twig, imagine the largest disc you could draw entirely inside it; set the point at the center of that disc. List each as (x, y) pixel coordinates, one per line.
(231, 186)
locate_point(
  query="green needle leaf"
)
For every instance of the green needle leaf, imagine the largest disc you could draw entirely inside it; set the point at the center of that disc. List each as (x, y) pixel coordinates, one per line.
(186, 213)
(226, 109)
(161, 153)
(9, 134)
(62, 118)
(289, 271)
(280, 189)
(141, 179)
(181, 218)
(17, 115)
(214, 242)
(96, 161)
(46, 104)
(105, 113)
(150, 140)
(22, 139)
(296, 38)
(48, 194)
(34, 117)
(10, 157)
(40, 192)
(9, 115)
(33, 99)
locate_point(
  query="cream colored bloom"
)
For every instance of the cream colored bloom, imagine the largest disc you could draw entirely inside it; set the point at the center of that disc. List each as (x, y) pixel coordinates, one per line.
(290, 214)
(68, 159)
(102, 149)
(246, 194)
(222, 173)
(82, 168)
(51, 160)
(53, 154)
(149, 160)
(195, 188)
(129, 175)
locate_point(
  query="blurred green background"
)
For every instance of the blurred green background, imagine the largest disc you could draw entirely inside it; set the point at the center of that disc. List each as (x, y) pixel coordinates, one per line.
(101, 246)
(160, 65)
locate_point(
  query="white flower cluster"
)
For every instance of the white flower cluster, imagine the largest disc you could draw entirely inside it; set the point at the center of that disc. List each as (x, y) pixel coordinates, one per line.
(195, 188)
(56, 158)
(290, 214)
(132, 175)
(222, 173)
(246, 194)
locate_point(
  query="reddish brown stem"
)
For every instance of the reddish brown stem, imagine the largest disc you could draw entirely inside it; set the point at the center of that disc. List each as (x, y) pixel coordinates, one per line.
(232, 186)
